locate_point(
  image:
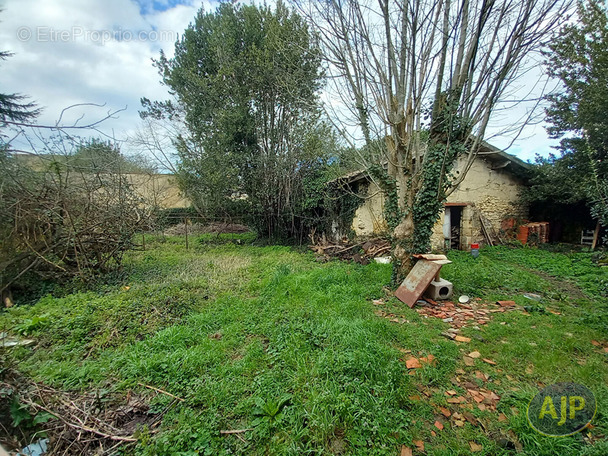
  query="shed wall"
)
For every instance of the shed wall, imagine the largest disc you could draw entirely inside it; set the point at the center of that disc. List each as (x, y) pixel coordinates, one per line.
(495, 193)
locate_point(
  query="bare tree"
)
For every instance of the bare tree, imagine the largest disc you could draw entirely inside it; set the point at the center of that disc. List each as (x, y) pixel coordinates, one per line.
(155, 137)
(420, 81)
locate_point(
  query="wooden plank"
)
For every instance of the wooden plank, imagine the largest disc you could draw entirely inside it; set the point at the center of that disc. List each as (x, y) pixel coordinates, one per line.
(418, 280)
(485, 231)
(596, 234)
(430, 256)
(587, 237)
(488, 230)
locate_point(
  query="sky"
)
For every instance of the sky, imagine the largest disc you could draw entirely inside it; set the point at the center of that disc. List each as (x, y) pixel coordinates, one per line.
(68, 52)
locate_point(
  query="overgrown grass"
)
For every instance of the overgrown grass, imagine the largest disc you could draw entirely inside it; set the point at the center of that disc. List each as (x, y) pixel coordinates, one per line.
(267, 339)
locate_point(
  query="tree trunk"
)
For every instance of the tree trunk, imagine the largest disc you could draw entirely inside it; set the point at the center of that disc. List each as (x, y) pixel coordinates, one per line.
(403, 235)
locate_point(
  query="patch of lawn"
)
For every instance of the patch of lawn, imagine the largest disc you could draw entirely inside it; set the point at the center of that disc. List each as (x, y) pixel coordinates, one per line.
(267, 339)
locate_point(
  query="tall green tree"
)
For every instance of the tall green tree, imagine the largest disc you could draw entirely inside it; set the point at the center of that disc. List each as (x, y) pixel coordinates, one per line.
(247, 79)
(578, 57)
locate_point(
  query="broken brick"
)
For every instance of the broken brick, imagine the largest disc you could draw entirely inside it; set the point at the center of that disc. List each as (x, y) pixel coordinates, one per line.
(470, 418)
(406, 451)
(412, 363)
(462, 339)
(468, 361)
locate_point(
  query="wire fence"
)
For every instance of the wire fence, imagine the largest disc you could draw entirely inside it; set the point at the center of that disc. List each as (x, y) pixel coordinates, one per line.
(195, 228)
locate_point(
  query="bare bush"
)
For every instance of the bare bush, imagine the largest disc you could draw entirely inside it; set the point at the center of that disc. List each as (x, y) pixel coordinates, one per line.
(59, 221)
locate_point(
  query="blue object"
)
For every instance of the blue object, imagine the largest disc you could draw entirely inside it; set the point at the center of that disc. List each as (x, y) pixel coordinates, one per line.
(36, 449)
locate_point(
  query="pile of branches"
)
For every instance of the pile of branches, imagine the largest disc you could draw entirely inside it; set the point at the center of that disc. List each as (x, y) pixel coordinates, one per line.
(362, 252)
(74, 423)
(58, 222)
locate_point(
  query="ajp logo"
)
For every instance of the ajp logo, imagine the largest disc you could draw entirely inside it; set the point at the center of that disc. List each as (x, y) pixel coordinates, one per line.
(562, 409)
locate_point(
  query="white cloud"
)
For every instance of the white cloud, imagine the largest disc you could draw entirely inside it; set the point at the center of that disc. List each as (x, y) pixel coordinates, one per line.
(65, 53)
(86, 66)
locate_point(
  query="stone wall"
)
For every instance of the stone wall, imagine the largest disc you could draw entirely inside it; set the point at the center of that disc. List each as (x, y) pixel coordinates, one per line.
(369, 217)
(160, 190)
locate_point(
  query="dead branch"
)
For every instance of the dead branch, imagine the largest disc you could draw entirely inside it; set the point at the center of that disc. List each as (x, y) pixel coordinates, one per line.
(162, 391)
(80, 427)
(235, 431)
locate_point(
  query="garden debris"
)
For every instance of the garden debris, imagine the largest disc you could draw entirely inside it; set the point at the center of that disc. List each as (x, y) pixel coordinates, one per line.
(459, 423)
(158, 390)
(420, 277)
(383, 260)
(36, 449)
(438, 425)
(470, 418)
(8, 341)
(462, 339)
(389, 316)
(533, 296)
(475, 447)
(235, 431)
(481, 376)
(416, 363)
(506, 303)
(413, 363)
(361, 252)
(419, 444)
(603, 346)
(475, 312)
(83, 423)
(406, 451)
(468, 361)
(464, 299)
(484, 398)
(475, 354)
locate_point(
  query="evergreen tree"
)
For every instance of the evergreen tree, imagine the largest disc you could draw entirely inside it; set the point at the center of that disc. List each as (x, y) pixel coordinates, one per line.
(13, 107)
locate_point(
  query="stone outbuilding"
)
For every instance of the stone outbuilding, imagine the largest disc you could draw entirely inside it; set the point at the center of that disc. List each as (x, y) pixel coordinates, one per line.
(486, 203)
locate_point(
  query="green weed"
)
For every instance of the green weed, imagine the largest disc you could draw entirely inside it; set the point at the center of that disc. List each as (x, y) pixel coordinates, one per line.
(289, 351)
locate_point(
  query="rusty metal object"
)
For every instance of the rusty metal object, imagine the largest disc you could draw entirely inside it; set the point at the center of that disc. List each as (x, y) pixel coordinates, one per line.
(419, 278)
